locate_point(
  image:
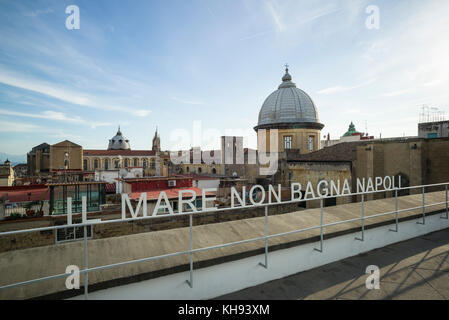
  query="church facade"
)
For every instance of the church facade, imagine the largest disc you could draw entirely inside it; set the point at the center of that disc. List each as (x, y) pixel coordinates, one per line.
(119, 155)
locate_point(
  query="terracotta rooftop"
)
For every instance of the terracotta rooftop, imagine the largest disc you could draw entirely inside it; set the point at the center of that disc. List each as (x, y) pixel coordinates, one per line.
(171, 193)
(22, 195)
(198, 177)
(147, 179)
(345, 151)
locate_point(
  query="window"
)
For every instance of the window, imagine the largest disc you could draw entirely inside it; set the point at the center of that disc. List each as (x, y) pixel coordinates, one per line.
(85, 164)
(135, 162)
(311, 143)
(153, 164)
(96, 164)
(200, 170)
(187, 169)
(94, 194)
(199, 204)
(116, 164)
(173, 204)
(287, 142)
(126, 163)
(106, 164)
(144, 164)
(72, 234)
(214, 171)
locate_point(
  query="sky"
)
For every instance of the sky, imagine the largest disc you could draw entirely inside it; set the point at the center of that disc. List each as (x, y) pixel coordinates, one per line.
(200, 69)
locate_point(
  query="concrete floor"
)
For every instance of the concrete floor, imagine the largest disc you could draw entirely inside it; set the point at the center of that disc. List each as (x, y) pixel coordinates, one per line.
(410, 270)
(38, 262)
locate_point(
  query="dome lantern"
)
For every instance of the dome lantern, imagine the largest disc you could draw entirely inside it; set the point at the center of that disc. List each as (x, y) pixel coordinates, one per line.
(288, 107)
(119, 142)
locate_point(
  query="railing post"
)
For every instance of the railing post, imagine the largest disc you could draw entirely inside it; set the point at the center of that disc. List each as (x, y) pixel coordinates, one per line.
(396, 210)
(423, 208)
(447, 211)
(266, 240)
(86, 275)
(190, 282)
(363, 219)
(321, 227)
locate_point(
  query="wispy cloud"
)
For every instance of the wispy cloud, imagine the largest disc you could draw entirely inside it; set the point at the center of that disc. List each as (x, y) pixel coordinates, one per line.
(55, 116)
(321, 12)
(397, 93)
(38, 12)
(256, 35)
(67, 95)
(272, 8)
(10, 126)
(339, 89)
(187, 101)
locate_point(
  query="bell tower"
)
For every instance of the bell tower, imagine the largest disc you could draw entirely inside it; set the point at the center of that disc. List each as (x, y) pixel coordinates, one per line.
(156, 142)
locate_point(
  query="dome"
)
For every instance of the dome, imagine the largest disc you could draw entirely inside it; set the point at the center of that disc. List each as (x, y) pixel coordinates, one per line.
(288, 107)
(119, 142)
(351, 130)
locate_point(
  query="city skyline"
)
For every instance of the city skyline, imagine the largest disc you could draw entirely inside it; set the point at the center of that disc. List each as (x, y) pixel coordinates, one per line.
(196, 59)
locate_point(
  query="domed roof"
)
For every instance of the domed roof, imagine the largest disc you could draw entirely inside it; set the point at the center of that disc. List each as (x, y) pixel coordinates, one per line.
(351, 130)
(288, 107)
(119, 142)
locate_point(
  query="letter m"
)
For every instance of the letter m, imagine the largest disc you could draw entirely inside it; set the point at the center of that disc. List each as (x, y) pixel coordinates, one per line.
(142, 203)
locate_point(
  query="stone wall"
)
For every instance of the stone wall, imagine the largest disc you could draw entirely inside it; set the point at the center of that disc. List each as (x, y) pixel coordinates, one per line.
(57, 156)
(422, 161)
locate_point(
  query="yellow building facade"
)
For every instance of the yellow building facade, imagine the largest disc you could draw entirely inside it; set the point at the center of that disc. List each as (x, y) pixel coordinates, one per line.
(6, 174)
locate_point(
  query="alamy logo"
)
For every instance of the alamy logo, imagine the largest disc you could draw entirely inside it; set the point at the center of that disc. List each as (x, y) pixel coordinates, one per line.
(373, 20)
(372, 282)
(73, 20)
(73, 280)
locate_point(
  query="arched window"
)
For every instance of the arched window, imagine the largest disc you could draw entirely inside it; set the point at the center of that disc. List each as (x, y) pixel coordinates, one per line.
(153, 164)
(144, 164)
(85, 164)
(96, 164)
(135, 162)
(126, 163)
(187, 169)
(214, 171)
(200, 170)
(116, 163)
(106, 164)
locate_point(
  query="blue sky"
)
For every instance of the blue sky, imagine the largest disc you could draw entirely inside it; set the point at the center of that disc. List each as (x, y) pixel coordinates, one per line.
(142, 64)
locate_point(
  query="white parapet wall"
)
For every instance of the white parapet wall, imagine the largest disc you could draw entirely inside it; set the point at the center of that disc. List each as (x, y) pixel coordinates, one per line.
(232, 276)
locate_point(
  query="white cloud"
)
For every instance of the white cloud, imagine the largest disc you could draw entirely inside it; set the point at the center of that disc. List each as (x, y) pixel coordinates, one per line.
(338, 89)
(16, 80)
(9, 126)
(187, 101)
(272, 8)
(55, 116)
(397, 93)
(38, 12)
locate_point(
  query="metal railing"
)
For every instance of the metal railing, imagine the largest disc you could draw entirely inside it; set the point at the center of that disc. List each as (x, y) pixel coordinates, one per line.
(265, 237)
